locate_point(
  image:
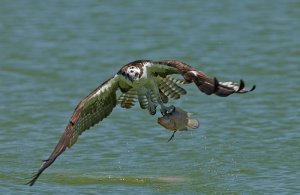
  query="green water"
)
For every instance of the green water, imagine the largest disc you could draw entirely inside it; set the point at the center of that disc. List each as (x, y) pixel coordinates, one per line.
(52, 54)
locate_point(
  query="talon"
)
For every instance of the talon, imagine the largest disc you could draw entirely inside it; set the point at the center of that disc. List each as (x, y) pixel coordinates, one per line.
(152, 110)
(167, 110)
(170, 109)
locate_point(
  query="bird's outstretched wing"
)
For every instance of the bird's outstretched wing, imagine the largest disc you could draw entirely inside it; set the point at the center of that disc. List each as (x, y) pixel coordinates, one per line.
(205, 84)
(91, 110)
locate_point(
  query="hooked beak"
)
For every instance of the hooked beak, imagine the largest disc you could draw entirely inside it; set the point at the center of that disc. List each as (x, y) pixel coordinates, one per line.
(126, 75)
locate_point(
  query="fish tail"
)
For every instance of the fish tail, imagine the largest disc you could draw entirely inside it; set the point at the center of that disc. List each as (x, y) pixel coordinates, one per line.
(193, 123)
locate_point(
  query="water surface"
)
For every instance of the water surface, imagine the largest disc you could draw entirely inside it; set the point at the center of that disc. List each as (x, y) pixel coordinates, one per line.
(53, 54)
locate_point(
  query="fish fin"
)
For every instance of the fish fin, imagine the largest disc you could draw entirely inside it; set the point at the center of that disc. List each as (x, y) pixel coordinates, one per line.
(193, 123)
(172, 136)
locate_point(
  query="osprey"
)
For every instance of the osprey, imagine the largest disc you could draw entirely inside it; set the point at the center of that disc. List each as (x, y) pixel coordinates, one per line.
(150, 83)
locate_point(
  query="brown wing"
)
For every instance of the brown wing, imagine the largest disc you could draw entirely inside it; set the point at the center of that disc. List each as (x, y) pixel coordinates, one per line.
(91, 110)
(204, 83)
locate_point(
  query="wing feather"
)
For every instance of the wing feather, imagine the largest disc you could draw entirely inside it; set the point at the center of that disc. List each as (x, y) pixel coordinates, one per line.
(128, 99)
(91, 110)
(204, 83)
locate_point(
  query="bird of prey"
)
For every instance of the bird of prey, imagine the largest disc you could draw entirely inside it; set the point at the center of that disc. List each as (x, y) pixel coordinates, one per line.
(151, 83)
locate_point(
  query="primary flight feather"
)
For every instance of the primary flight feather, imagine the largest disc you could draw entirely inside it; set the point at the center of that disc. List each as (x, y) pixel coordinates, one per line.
(148, 82)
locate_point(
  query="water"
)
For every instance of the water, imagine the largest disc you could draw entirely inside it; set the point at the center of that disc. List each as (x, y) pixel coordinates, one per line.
(53, 54)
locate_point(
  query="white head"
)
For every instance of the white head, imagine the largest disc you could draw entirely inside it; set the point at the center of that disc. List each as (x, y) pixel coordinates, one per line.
(133, 73)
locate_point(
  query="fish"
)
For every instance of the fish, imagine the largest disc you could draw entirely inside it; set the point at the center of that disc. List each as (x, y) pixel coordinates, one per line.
(178, 120)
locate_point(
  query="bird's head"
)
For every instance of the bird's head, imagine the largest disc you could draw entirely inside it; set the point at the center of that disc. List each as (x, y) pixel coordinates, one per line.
(132, 73)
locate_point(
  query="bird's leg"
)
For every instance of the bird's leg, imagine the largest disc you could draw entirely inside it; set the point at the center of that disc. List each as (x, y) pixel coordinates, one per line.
(166, 109)
(172, 136)
(163, 109)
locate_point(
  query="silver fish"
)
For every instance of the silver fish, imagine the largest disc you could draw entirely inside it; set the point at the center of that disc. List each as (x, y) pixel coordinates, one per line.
(178, 120)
